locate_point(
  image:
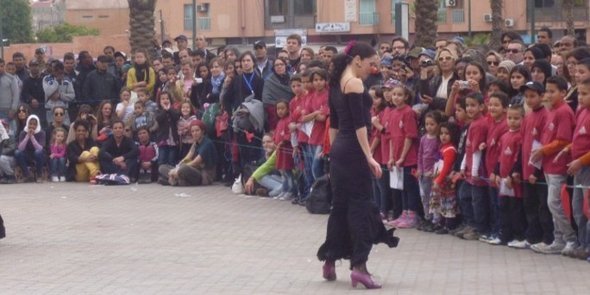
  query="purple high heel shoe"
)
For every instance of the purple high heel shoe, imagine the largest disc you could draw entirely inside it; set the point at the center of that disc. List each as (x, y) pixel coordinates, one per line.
(329, 270)
(363, 278)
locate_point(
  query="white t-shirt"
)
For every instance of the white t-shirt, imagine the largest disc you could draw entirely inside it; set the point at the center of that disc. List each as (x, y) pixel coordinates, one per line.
(127, 113)
(442, 88)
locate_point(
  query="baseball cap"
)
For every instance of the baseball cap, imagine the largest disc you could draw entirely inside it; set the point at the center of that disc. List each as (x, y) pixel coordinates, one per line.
(39, 51)
(121, 54)
(391, 83)
(387, 60)
(415, 52)
(532, 85)
(103, 58)
(181, 37)
(259, 44)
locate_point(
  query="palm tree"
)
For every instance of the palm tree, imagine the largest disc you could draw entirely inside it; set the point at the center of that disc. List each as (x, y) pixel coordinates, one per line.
(426, 18)
(497, 24)
(568, 7)
(141, 25)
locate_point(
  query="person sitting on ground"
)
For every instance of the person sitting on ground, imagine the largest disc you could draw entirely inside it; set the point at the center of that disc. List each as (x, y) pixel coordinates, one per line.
(82, 154)
(119, 154)
(199, 165)
(7, 148)
(31, 143)
(148, 156)
(266, 174)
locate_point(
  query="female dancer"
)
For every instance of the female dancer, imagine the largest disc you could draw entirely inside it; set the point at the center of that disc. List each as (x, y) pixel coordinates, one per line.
(354, 223)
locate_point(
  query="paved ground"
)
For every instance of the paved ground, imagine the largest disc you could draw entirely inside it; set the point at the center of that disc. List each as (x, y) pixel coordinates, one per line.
(149, 239)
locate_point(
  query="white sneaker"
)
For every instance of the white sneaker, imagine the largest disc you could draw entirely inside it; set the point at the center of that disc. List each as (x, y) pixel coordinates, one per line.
(569, 248)
(286, 196)
(62, 179)
(554, 248)
(519, 244)
(54, 179)
(494, 241)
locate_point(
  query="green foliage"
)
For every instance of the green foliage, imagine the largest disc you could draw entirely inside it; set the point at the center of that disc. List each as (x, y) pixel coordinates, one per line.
(478, 39)
(64, 33)
(16, 20)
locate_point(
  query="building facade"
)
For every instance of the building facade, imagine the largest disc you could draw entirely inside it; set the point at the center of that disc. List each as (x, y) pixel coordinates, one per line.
(328, 21)
(46, 13)
(110, 17)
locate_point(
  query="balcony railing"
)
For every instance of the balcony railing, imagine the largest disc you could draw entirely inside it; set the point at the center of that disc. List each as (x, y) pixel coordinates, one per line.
(204, 23)
(368, 18)
(442, 16)
(458, 16)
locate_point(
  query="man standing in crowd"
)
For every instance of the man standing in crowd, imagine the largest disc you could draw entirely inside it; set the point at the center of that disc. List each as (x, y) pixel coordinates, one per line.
(58, 90)
(567, 43)
(100, 84)
(9, 93)
(515, 51)
(263, 63)
(32, 93)
(181, 44)
(201, 43)
(21, 68)
(545, 36)
(294, 49)
(399, 46)
(85, 66)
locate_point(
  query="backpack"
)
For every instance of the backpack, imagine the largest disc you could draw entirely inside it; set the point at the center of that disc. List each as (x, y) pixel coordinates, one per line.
(209, 116)
(112, 179)
(320, 196)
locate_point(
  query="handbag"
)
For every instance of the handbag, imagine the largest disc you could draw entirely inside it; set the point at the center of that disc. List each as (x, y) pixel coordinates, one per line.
(221, 123)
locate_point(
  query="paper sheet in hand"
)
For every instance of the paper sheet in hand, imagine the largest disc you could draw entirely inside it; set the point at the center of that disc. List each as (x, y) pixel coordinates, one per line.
(396, 178)
(476, 163)
(306, 128)
(505, 190)
(539, 163)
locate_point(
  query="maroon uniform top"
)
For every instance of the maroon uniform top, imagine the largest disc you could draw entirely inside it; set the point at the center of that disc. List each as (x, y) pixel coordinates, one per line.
(375, 133)
(385, 137)
(296, 109)
(476, 135)
(509, 146)
(531, 128)
(318, 101)
(581, 140)
(404, 124)
(559, 126)
(496, 128)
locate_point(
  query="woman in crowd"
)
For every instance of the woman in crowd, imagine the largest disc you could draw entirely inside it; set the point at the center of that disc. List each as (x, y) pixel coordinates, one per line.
(141, 74)
(199, 165)
(30, 150)
(276, 88)
(58, 122)
(82, 154)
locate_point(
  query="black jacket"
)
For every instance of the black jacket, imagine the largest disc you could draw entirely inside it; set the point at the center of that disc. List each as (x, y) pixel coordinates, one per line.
(100, 86)
(167, 123)
(7, 147)
(239, 90)
(110, 150)
(430, 87)
(33, 88)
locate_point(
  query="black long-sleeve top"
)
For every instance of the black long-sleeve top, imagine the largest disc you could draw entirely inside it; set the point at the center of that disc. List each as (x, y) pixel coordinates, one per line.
(110, 150)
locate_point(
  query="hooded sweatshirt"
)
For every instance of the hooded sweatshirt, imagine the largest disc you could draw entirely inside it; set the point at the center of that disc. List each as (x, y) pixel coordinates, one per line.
(33, 143)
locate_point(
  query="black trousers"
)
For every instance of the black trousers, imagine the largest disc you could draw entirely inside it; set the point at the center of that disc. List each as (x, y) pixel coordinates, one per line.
(2, 229)
(538, 217)
(512, 219)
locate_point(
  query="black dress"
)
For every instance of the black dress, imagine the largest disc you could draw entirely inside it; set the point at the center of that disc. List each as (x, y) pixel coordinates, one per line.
(354, 223)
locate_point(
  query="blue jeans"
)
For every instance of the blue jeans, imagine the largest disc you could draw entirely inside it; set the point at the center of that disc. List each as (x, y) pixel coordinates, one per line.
(581, 179)
(495, 220)
(167, 155)
(317, 163)
(288, 184)
(58, 166)
(108, 167)
(24, 158)
(382, 191)
(273, 183)
(308, 155)
(481, 208)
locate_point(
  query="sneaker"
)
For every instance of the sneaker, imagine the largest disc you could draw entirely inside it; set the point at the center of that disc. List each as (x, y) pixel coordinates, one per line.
(470, 234)
(62, 179)
(286, 196)
(581, 253)
(54, 179)
(516, 244)
(409, 221)
(457, 229)
(495, 241)
(554, 248)
(485, 238)
(569, 249)
(442, 231)
(394, 223)
(429, 227)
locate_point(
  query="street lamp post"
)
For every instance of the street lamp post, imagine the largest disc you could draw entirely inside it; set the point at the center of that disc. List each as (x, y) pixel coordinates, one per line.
(1, 39)
(469, 18)
(194, 22)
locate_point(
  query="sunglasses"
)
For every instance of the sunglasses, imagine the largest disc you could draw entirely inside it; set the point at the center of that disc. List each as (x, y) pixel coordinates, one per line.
(515, 51)
(493, 63)
(22, 111)
(58, 114)
(446, 58)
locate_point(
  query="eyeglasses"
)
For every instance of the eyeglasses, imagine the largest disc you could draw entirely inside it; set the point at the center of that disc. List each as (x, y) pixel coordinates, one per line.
(514, 50)
(445, 58)
(58, 114)
(22, 111)
(493, 63)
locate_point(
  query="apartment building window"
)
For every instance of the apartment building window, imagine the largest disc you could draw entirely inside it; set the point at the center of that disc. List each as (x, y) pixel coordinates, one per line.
(188, 17)
(367, 14)
(283, 14)
(442, 12)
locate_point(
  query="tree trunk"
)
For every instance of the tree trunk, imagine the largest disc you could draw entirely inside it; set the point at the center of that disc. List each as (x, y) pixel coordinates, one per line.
(497, 24)
(426, 18)
(568, 7)
(141, 25)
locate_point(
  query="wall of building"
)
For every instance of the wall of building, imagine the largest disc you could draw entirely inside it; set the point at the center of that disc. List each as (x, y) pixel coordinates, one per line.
(108, 21)
(94, 44)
